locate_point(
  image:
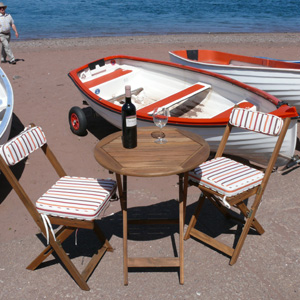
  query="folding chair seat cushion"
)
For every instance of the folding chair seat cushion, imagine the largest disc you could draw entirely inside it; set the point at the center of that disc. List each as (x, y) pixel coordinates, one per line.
(77, 197)
(226, 176)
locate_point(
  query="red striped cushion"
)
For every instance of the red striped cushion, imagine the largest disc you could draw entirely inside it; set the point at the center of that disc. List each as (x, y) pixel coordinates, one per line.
(29, 140)
(226, 176)
(77, 197)
(256, 121)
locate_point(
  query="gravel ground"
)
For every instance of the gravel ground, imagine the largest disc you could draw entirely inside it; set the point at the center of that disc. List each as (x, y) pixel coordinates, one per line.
(268, 267)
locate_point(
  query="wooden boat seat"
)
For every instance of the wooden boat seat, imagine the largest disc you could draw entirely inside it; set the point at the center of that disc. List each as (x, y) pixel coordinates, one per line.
(182, 95)
(108, 77)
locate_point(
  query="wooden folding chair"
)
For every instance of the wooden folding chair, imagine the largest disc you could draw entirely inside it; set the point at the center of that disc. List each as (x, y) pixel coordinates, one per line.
(228, 183)
(72, 202)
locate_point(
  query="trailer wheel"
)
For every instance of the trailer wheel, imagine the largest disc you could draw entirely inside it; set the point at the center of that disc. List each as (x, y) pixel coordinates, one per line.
(77, 121)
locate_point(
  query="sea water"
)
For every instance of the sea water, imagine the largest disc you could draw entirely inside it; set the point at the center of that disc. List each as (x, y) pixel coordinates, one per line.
(42, 19)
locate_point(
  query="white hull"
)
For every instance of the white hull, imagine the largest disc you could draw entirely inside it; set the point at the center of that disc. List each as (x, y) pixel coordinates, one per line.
(6, 107)
(248, 145)
(162, 79)
(284, 84)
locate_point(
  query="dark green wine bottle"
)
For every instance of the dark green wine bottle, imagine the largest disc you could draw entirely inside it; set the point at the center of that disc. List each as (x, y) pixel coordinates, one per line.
(129, 121)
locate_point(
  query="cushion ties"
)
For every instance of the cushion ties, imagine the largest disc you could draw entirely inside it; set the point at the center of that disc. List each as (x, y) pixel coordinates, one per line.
(224, 202)
(76, 233)
(47, 224)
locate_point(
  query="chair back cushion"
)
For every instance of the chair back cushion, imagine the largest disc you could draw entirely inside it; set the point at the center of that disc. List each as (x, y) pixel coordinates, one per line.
(256, 121)
(16, 149)
(226, 176)
(77, 197)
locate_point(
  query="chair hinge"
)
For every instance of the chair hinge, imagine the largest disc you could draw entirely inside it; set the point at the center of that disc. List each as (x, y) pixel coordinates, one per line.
(250, 213)
(58, 243)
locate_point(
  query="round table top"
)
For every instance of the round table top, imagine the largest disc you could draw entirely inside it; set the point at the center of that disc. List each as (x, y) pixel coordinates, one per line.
(183, 152)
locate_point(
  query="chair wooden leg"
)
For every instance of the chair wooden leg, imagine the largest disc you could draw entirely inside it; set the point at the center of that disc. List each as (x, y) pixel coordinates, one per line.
(61, 236)
(55, 246)
(97, 257)
(248, 224)
(102, 238)
(93, 263)
(68, 264)
(195, 216)
(241, 241)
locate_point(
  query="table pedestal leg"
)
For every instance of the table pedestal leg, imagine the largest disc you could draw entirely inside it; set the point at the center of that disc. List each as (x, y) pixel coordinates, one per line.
(154, 262)
(122, 188)
(183, 185)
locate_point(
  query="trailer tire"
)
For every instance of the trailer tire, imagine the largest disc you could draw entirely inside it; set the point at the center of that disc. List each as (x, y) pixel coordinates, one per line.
(77, 121)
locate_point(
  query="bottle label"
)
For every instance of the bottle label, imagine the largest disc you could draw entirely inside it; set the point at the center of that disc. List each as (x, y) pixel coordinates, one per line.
(131, 121)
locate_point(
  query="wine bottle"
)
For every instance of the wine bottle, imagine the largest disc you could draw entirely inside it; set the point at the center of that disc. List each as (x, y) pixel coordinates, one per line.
(129, 122)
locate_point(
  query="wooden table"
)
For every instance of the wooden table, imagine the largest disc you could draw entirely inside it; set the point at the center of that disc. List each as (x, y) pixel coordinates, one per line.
(182, 153)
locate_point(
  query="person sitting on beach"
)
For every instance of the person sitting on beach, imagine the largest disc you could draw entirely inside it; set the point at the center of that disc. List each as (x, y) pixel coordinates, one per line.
(6, 22)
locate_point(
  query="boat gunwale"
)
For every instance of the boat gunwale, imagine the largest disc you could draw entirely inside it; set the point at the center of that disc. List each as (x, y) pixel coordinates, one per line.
(242, 58)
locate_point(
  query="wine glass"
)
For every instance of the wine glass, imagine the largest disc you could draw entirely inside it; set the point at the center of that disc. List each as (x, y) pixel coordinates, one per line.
(160, 119)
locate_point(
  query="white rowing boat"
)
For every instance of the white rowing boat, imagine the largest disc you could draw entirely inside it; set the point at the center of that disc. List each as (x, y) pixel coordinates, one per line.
(199, 101)
(6, 107)
(278, 78)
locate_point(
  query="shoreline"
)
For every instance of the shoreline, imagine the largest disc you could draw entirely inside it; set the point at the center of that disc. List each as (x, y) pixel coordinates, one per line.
(292, 38)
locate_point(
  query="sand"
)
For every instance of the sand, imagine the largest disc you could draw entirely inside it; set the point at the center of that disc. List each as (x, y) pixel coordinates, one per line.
(268, 267)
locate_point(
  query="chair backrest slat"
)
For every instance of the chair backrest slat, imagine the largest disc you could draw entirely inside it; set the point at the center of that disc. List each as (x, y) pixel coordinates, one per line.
(256, 121)
(18, 148)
